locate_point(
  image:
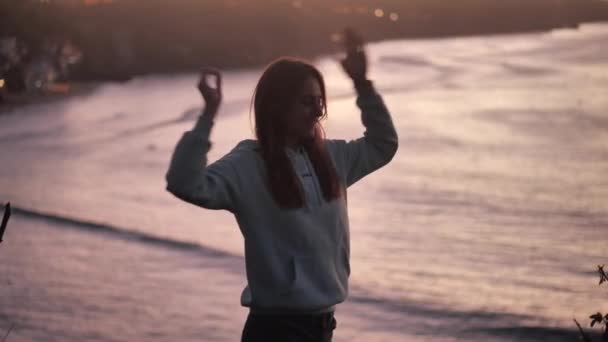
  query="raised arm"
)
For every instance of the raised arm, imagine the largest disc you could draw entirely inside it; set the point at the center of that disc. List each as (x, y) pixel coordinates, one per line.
(379, 142)
(189, 177)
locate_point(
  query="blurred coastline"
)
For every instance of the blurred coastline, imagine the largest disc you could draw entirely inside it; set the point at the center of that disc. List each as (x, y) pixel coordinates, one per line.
(486, 226)
(54, 92)
(47, 43)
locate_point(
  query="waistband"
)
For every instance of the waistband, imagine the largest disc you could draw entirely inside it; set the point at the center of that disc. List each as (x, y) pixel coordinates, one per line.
(325, 320)
(287, 311)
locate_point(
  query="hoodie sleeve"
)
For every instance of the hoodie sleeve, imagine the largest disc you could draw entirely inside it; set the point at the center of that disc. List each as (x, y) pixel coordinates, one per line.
(189, 177)
(379, 143)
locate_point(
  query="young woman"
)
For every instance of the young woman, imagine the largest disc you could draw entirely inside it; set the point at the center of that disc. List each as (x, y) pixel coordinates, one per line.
(287, 190)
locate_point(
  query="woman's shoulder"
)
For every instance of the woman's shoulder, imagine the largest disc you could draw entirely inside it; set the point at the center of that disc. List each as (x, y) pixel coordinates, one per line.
(335, 146)
(244, 151)
(241, 158)
(246, 146)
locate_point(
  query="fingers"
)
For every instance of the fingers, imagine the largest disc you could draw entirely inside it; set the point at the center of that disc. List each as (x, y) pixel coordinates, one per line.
(355, 65)
(353, 42)
(218, 82)
(212, 93)
(345, 66)
(205, 73)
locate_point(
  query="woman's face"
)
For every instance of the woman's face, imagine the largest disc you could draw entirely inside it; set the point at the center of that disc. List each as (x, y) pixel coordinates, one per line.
(305, 112)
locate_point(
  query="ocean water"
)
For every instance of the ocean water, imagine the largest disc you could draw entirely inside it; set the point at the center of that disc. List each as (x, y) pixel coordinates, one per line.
(487, 225)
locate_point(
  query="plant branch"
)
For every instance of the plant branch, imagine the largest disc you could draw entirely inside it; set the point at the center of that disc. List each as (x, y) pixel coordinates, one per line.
(580, 329)
(8, 332)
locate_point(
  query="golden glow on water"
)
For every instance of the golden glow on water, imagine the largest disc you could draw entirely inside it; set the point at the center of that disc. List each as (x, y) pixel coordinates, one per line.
(494, 165)
(496, 201)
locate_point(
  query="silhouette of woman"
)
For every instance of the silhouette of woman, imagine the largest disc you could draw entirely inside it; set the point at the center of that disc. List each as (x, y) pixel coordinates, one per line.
(287, 191)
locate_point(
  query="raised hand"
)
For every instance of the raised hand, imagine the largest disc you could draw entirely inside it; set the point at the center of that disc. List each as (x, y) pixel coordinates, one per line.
(211, 95)
(355, 63)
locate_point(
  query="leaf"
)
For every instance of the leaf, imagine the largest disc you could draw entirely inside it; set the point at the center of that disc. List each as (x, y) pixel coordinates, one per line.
(596, 318)
(603, 276)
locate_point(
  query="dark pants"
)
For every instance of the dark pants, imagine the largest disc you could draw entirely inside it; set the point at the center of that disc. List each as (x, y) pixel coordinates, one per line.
(263, 327)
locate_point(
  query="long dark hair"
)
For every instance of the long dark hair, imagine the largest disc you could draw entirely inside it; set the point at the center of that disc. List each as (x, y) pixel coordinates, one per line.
(276, 92)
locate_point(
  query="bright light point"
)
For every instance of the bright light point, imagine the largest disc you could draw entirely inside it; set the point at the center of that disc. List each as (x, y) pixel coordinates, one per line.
(1, 83)
(379, 13)
(394, 16)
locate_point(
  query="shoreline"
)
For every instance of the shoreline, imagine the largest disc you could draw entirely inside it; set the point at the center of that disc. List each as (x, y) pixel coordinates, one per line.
(82, 86)
(502, 140)
(315, 51)
(59, 91)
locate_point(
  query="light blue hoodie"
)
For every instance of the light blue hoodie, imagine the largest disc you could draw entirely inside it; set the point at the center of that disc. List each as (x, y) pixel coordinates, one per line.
(297, 260)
